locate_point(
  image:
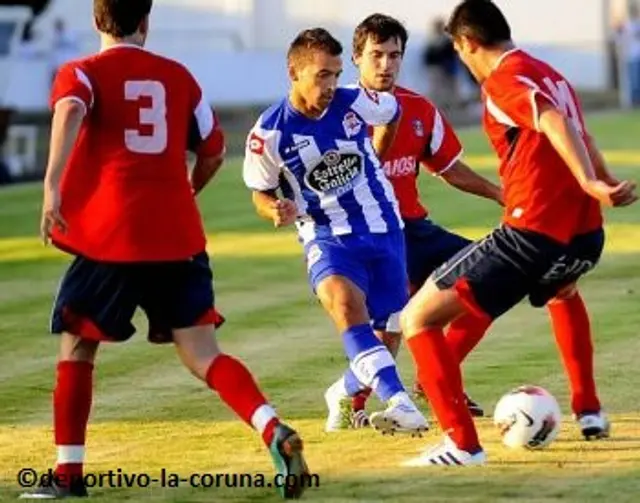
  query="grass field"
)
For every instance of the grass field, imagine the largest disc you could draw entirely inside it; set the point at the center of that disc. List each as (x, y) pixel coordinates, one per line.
(149, 413)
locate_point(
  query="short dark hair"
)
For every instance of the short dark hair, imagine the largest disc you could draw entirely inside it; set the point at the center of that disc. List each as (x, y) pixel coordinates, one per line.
(313, 39)
(480, 20)
(120, 18)
(380, 28)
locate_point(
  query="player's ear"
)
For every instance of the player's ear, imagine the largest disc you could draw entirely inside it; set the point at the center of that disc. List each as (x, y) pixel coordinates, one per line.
(144, 26)
(293, 72)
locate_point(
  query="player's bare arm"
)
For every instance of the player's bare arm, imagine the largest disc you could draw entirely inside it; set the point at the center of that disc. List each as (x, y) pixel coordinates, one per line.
(282, 212)
(204, 171)
(465, 179)
(572, 149)
(66, 122)
(602, 171)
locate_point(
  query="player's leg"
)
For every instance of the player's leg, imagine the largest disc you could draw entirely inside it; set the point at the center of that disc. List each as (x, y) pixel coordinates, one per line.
(428, 247)
(94, 303)
(179, 302)
(572, 329)
(339, 274)
(478, 280)
(388, 293)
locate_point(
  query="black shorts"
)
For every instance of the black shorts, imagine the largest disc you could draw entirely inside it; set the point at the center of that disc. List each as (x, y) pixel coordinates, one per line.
(497, 272)
(428, 246)
(97, 300)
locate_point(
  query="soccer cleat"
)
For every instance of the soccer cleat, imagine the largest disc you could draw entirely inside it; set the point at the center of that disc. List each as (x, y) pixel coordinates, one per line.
(339, 405)
(286, 451)
(474, 407)
(401, 416)
(447, 453)
(594, 425)
(359, 419)
(53, 491)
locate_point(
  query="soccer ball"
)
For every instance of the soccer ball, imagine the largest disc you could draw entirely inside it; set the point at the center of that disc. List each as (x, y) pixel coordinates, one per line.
(528, 417)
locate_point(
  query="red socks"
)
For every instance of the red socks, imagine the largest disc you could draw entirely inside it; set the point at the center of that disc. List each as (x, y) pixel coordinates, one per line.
(237, 388)
(439, 375)
(71, 407)
(359, 400)
(464, 334)
(572, 330)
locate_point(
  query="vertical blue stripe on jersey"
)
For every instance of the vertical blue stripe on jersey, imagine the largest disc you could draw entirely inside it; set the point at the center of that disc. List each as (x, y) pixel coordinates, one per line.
(388, 211)
(313, 200)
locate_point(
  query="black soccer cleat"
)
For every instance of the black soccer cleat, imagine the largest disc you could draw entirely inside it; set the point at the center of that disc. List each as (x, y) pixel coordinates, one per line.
(474, 407)
(53, 491)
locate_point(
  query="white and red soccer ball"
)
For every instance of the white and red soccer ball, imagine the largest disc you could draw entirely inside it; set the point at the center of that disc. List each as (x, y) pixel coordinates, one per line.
(528, 417)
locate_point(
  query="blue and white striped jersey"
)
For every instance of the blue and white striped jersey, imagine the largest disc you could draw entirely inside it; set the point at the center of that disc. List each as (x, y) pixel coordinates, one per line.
(326, 165)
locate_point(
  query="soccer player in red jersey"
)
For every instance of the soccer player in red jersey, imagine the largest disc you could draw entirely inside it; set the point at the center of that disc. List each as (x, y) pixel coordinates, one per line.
(424, 138)
(117, 196)
(554, 183)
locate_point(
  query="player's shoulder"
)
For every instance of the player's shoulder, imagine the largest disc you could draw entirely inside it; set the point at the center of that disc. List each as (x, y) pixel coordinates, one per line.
(523, 67)
(413, 100)
(274, 117)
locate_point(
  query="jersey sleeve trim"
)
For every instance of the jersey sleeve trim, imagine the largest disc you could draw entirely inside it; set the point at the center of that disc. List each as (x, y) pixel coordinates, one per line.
(76, 99)
(534, 93)
(451, 164)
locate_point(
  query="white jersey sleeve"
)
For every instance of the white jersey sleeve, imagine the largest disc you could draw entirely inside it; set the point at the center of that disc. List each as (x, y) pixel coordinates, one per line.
(376, 109)
(262, 161)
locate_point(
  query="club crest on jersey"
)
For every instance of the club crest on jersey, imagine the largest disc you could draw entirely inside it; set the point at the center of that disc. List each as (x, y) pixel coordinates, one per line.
(335, 173)
(351, 124)
(418, 128)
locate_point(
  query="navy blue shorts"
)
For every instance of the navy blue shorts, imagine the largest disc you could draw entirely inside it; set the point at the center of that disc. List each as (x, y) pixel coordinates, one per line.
(497, 272)
(374, 262)
(97, 300)
(428, 246)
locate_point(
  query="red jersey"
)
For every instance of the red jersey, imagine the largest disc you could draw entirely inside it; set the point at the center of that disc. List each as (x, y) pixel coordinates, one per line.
(125, 192)
(541, 194)
(424, 137)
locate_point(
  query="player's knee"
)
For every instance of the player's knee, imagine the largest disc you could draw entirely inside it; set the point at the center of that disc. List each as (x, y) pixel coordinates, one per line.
(345, 307)
(197, 348)
(76, 348)
(565, 293)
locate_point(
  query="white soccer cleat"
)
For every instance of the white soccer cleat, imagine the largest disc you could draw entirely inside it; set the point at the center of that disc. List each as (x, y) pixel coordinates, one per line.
(339, 405)
(446, 453)
(594, 426)
(401, 416)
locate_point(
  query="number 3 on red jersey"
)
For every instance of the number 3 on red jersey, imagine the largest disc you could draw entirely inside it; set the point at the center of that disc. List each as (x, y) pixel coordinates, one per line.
(154, 116)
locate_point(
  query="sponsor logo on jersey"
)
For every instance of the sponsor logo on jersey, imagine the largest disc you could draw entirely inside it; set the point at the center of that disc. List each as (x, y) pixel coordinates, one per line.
(335, 173)
(256, 144)
(352, 125)
(404, 166)
(296, 147)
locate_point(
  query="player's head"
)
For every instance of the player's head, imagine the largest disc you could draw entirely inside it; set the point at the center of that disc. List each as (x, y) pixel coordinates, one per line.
(379, 43)
(122, 18)
(479, 30)
(315, 64)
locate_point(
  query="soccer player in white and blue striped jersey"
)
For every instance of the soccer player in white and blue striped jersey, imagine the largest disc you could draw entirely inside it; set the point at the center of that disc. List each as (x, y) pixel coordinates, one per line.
(314, 148)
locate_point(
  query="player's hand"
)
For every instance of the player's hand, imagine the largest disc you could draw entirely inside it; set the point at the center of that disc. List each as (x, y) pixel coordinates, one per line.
(51, 216)
(285, 212)
(622, 194)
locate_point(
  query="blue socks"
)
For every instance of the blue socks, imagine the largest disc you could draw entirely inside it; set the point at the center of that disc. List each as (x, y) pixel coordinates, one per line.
(371, 364)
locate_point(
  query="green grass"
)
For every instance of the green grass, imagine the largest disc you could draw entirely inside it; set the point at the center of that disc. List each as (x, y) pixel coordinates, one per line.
(149, 413)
